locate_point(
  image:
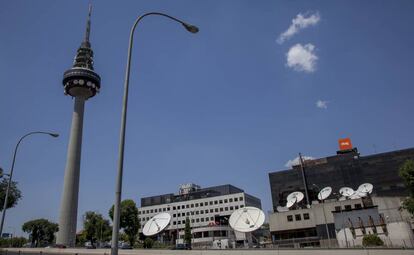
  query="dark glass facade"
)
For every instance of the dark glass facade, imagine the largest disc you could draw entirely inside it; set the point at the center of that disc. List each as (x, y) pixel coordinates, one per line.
(349, 169)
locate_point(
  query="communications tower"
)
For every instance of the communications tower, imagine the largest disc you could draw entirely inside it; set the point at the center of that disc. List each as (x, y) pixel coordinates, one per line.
(82, 83)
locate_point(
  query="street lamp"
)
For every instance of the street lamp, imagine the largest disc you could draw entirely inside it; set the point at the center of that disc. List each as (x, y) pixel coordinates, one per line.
(324, 216)
(118, 190)
(11, 172)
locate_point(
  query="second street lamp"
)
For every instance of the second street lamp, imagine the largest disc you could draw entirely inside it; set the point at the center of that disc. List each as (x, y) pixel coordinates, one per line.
(118, 189)
(11, 172)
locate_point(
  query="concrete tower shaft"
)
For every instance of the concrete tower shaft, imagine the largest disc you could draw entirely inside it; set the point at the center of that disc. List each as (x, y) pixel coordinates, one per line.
(82, 83)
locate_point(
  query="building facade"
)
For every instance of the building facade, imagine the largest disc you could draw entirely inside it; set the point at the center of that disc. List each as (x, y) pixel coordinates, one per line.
(342, 222)
(208, 210)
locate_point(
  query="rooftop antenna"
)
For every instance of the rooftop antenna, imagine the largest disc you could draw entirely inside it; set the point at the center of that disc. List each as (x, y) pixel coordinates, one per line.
(304, 180)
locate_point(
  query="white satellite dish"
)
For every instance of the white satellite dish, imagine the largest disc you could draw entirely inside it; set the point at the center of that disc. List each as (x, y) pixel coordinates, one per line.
(365, 188)
(295, 195)
(247, 219)
(356, 195)
(290, 202)
(156, 224)
(346, 191)
(282, 209)
(324, 193)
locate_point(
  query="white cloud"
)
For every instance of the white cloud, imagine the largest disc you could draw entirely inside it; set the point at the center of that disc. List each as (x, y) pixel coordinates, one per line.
(295, 161)
(322, 104)
(302, 58)
(301, 22)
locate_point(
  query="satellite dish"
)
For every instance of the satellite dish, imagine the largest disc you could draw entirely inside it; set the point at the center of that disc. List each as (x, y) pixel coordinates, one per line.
(247, 219)
(324, 193)
(156, 224)
(297, 195)
(290, 202)
(346, 191)
(356, 195)
(282, 209)
(365, 188)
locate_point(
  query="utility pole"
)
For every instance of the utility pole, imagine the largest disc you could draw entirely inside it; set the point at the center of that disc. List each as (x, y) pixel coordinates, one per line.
(305, 185)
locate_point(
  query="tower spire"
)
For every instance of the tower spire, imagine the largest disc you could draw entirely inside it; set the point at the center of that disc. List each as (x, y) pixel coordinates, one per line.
(84, 56)
(88, 26)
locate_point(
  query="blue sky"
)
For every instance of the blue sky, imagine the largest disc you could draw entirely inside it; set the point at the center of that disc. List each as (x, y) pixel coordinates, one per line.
(222, 106)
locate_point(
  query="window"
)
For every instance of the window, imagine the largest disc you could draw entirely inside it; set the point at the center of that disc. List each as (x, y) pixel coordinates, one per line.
(192, 205)
(211, 218)
(236, 207)
(174, 223)
(298, 217)
(202, 219)
(192, 213)
(174, 208)
(196, 204)
(152, 211)
(231, 200)
(196, 212)
(205, 203)
(235, 199)
(211, 202)
(221, 209)
(188, 213)
(178, 207)
(168, 208)
(306, 216)
(220, 201)
(157, 210)
(179, 215)
(192, 220)
(337, 208)
(348, 207)
(211, 210)
(216, 209)
(201, 211)
(139, 212)
(187, 206)
(290, 218)
(179, 222)
(206, 211)
(231, 208)
(226, 208)
(207, 219)
(241, 206)
(174, 215)
(357, 206)
(225, 200)
(163, 209)
(215, 202)
(241, 198)
(197, 220)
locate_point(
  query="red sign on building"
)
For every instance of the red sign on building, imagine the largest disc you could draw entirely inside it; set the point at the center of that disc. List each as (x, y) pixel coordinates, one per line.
(345, 144)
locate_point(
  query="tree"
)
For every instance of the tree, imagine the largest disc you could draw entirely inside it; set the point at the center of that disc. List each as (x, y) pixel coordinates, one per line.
(129, 219)
(41, 231)
(187, 232)
(372, 240)
(95, 227)
(407, 174)
(14, 194)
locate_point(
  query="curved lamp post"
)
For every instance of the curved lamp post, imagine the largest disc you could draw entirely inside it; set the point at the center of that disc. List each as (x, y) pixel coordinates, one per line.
(11, 172)
(117, 205)
(324, 216)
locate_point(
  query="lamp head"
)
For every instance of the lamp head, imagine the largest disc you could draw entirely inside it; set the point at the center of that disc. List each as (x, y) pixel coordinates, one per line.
(190, 28)
(54, 134)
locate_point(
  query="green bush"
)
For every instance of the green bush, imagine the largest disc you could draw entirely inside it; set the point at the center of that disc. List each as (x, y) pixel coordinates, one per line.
(372, 240)
(16, 242)
(148, 243)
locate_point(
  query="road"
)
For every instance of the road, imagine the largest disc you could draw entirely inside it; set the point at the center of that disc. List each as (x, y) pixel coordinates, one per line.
(22, 251)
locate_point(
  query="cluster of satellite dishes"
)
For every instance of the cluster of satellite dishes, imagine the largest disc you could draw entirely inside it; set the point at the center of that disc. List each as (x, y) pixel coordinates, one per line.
(246, 219)
(346, 193)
